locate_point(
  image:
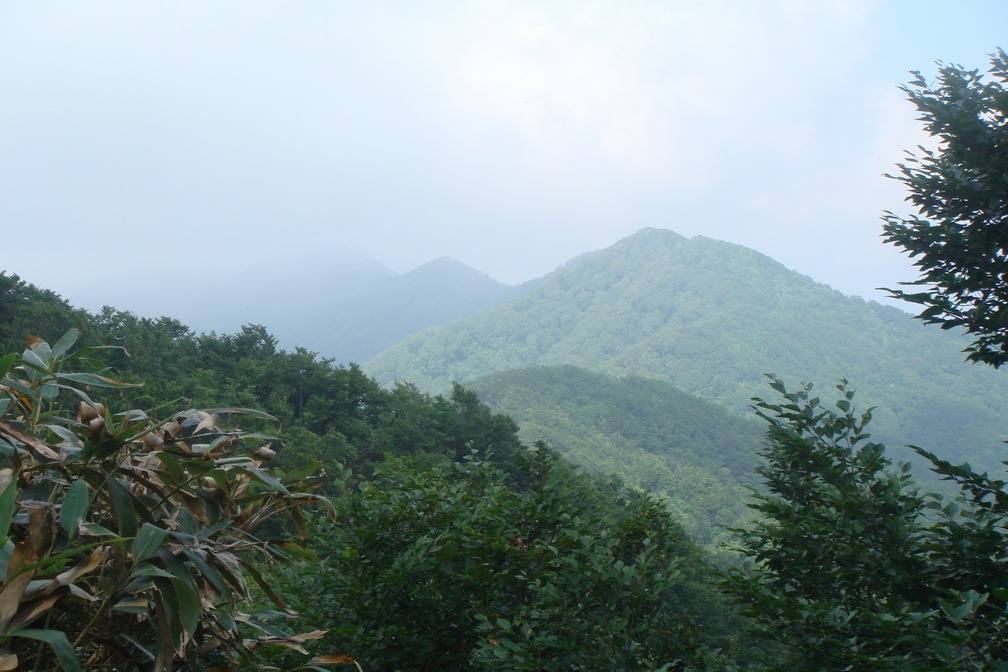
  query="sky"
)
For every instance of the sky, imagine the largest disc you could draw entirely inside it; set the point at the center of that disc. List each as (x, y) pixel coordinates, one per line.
(148, 142)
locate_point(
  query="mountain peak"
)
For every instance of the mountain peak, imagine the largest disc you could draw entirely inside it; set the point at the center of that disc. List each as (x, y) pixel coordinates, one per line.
(443, 265)
(650, 234)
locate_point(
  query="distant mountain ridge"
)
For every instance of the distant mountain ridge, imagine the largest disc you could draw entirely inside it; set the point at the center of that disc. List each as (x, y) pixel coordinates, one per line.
(382, 314)
(344, 305)
(712, 318)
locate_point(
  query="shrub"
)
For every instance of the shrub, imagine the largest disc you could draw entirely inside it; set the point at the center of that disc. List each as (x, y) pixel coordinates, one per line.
(126, 538)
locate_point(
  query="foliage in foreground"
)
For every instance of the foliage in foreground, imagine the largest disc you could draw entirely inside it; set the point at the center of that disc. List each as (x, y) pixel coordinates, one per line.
(959, 241)
(125, 538)
(853, 568)
(456, 568)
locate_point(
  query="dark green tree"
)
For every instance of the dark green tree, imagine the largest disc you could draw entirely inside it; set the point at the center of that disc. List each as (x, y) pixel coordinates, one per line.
(851, 567)
(960, 244)
(26, 310)
(844, 572)
(959, 239)
(456, 567)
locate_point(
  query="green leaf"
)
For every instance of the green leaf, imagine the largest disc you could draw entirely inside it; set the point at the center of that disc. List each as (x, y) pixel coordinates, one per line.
(34, 361)
(95, 380)
(198, 560)
(148, 569)
(302, 472)
(6, 552)
(21, 386)
(96, 530)
(265, 478)
(74, 506)
(8, 500)
(147, 542)
(190, 607)
(64, 433)
(173, 467)
(49, 391)
(250, 412)
(175, 565)
(65, 343)
(6, 362)
(132, 605)
(58, 642)
(263, 584)
(122, 506)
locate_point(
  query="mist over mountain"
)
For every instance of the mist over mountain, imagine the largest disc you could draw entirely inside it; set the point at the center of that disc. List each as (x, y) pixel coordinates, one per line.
(344, 305)
(712, 318)
(233, 293)
(380, 314)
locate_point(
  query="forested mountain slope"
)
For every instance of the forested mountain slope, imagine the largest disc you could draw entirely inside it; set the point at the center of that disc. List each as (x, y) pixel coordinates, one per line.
(712, 318)
(655, 436)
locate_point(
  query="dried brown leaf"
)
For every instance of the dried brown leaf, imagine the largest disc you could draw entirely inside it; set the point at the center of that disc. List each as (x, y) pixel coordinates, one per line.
(341, 659)
(83, 567)
(152, 441)
(39, 446)
(87, 412)
(208, 422)
(14, 586)
(309, 636)
(29, 611)
(171, 428)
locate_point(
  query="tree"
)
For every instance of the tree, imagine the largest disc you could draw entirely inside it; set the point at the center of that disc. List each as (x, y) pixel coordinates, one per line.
(961, 246)
(843, 571)
(959, 240)
(852, 567)
(26, 309)
(457, 567)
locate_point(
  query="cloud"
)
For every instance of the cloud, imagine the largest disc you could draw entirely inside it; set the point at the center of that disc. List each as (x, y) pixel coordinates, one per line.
(510, 135)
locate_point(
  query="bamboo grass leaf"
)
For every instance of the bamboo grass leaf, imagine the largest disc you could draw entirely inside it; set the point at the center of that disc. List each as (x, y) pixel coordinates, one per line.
(59, 643)
(75, 504)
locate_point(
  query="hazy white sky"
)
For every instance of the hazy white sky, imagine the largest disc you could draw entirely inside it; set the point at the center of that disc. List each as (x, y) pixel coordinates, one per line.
(143, 139)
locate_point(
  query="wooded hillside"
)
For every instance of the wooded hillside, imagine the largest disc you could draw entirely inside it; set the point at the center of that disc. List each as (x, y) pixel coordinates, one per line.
(713, 318)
